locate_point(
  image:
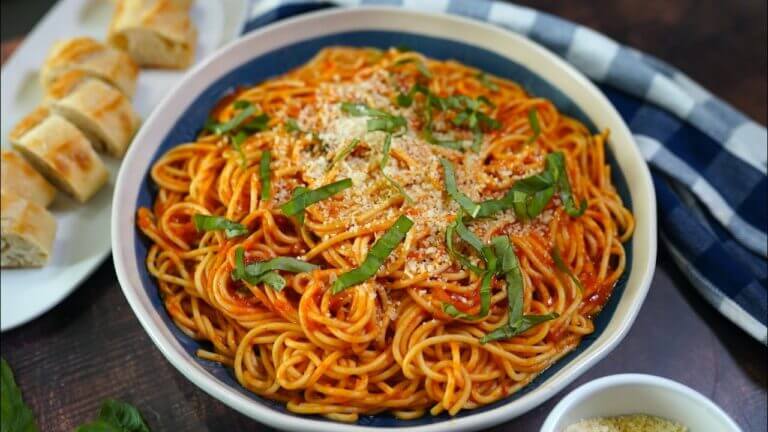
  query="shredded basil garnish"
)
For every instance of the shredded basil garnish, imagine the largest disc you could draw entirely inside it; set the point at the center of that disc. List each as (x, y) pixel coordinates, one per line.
(533, 121)
(291, 125)
(527, 197)
(296, 192)
(380, 121)
(486, 82)
(301, 201)
(376, 257)
(266, 271)
(237, 142)
(509, 267)
(560, 266)
(466, 203)
(218, 223)
(344, 152)
(264, 175)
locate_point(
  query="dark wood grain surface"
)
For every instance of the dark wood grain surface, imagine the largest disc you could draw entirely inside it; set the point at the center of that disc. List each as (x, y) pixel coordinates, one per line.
(91, 347)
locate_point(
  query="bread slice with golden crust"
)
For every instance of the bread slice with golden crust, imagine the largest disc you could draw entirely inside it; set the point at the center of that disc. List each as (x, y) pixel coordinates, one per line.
(19, 177)
(155, 33)
(92, 58)
(102, 113)
(59, 151)
(27, 231)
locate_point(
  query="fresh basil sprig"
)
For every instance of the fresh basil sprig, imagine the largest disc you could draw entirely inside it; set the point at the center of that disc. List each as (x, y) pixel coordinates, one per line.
(237, 129)
(15, 415)
(116, 416)
(266, 271)
(376, 257)
(218, 223)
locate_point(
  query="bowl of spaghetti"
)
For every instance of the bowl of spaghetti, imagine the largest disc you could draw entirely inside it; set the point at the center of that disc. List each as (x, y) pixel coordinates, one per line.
(373, 218)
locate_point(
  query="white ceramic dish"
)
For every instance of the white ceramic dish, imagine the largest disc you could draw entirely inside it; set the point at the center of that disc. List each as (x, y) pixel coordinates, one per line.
(639, 394)
(266, 51)
(82, 238)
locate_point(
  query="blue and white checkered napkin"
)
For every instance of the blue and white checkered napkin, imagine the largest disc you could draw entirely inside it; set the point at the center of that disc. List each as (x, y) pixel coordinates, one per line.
(708, 160)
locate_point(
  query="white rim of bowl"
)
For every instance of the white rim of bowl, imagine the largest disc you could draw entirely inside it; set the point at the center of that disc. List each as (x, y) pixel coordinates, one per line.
(124, 251)
(594, 387)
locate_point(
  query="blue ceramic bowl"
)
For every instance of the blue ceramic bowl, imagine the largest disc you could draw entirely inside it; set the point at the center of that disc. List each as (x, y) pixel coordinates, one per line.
(280, 47)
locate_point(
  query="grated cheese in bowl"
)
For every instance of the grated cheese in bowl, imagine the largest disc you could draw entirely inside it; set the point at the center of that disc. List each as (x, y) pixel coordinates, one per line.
(627, 423)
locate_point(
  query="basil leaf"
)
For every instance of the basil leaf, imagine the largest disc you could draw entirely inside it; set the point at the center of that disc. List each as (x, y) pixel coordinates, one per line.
(486, 82)
(292, 126)
(485, 301)
(344, 152)
(376, 257)
(237, 141)
(235, 121)
(311, 196)
(361, 110)
(463, 200)
(273, 279)
(257, 124)
(116, 416)
(218, 223)
(265, 271)
(510, 268)
(533, 121)
(556, 164)
(420, 66)
(477, 140)
(15, 415)
(560, 266)
(388, 124)
(296, 192)
(264, 174)
(463, 260)
(383, 163)
(241, 104)
(403, 48)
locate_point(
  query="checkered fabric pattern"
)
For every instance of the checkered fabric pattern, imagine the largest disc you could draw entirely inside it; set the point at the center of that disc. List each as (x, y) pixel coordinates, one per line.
(708, 160)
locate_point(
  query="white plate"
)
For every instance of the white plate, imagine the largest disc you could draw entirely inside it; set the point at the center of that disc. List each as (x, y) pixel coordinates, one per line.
(264, 51)
(82, 238)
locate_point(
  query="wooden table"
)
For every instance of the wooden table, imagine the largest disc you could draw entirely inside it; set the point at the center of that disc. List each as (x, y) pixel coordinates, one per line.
(91, 347)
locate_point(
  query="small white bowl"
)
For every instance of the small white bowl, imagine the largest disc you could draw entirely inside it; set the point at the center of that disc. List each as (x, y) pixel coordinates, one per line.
(639, 394)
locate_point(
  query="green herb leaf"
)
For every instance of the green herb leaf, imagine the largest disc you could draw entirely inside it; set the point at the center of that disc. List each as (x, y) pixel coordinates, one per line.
(296, 192)
(15, 415)
(241, 104)
(349, 148)
(266, 271)
(449, 177)
(235, 121)
(533, 120)
(300, 202)
(477, 140)
(376, 257)
(556, 165)
(362, 110)
(218, 223)
(383, 163)
(257, 124)
(291, 125)
(118, 417)
(560, 266)
(403, 48)
(264, 174)
(510, 268)
(237, 142)
(486, 82)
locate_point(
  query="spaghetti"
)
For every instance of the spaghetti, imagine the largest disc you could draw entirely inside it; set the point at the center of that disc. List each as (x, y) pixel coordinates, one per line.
(322, 166)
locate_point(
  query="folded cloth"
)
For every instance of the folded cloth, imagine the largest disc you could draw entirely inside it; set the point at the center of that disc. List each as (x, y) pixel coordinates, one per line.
(708, 160)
